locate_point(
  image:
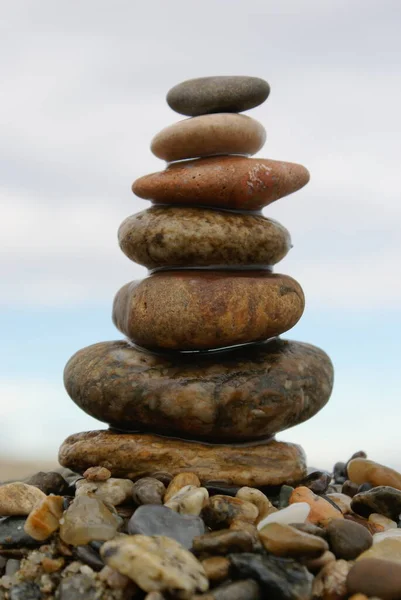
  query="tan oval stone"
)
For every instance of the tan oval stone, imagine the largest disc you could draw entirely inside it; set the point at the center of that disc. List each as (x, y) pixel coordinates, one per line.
(180, 481)
(199, 310)
(140, 455)
(18, 498)
(286, 541)
(224, 181)
(361, 470)
(246, 393)
(199, 237)
(207, 135)
(258, 498)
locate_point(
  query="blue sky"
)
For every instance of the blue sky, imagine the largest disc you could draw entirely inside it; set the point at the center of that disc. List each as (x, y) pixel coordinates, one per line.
(83, 94)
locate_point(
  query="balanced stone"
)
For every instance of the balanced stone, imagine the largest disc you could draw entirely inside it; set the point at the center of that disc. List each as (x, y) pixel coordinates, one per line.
(246, 393)
(141, 455)
(223, 181)
(199, 310)
(217, 94)
(222, 133)
(200, 237)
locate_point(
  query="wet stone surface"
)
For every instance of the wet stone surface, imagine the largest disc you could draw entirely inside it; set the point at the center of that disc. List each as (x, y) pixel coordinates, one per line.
(384, 500)
(12, 534)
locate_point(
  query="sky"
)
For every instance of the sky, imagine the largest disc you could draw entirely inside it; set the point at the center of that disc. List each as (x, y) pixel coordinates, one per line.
(83, 88)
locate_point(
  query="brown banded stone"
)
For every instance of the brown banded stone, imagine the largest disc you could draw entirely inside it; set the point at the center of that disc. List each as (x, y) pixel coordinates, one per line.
(199, 237)
(246, 393)
(220, 133)
(232, 182)
(200, 310)
(140, 455)
(205, 95)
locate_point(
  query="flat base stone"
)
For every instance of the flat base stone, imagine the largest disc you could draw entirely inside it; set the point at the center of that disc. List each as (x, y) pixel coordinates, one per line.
(135, 455)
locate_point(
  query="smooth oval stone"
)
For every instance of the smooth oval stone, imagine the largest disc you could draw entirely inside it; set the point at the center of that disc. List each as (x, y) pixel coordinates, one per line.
(205, 95)
(384, 500)
(140, 455)
(376, 578)
(13, 535)
(362, 471)
(208, 135)
(348, 539)
(246, 393)
(160, 520)
(200, 237)
(225, 181)
(284, 540)
(201, 310)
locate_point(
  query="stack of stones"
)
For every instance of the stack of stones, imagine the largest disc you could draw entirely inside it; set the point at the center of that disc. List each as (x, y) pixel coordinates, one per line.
(203, 382)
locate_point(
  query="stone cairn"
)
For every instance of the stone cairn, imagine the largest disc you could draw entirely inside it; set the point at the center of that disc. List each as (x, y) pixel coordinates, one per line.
(203, 382)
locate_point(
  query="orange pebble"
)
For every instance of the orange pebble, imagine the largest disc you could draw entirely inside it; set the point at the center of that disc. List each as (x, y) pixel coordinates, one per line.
(322, 512)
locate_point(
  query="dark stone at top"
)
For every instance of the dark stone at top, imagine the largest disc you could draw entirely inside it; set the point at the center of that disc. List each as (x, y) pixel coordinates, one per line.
(151, 519)
(207, 95)
(340, 472)
(280, 578)
(49, 483)
(317, 481)
(383, 499)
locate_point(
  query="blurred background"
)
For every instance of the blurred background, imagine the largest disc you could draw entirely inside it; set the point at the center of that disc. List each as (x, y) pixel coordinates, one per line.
(83, 88)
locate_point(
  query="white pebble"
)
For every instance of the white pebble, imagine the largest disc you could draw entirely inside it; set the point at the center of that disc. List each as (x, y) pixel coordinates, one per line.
(382, 535)
(295, 513)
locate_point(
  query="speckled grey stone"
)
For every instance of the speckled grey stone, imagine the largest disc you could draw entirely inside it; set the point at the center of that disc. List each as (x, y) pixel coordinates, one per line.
(217, 94)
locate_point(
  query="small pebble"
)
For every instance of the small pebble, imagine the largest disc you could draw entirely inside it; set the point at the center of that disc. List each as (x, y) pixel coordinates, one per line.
(160, 520)
(180, 481)
(322, 512)
(97, 474)
(280, 578)
(222, 542)
(388, 549)
(18, 499)
(216, 568)
(384, 500)
(148, 490)
(189, 500)
(44, 519)
(348, 539)
(285, 495)
(26, 590)
(331, 581)
(317, 481)
(375, 577)
(112, 491)
(364, 487)
(89, 556)
(222, 510)
(340, 472)
(49, 483)
(256, 497)
(385, 522)
(156, 563)
(349, 488)
(286, 541)
(87, 519)
(295, 513)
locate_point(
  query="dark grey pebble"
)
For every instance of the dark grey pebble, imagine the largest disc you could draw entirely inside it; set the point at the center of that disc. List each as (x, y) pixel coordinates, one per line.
(365, 487)
(25, 591)
(348, 539)
(340, 472)
(280, 578)
(151, 519)
(349, 488)
(217, 488)
(284, 496)
(206, 95)
(12, 534)
(318, 481)
(49, 483)
(77, 587)
(89, 556)
(383, 499)
(239, 590)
